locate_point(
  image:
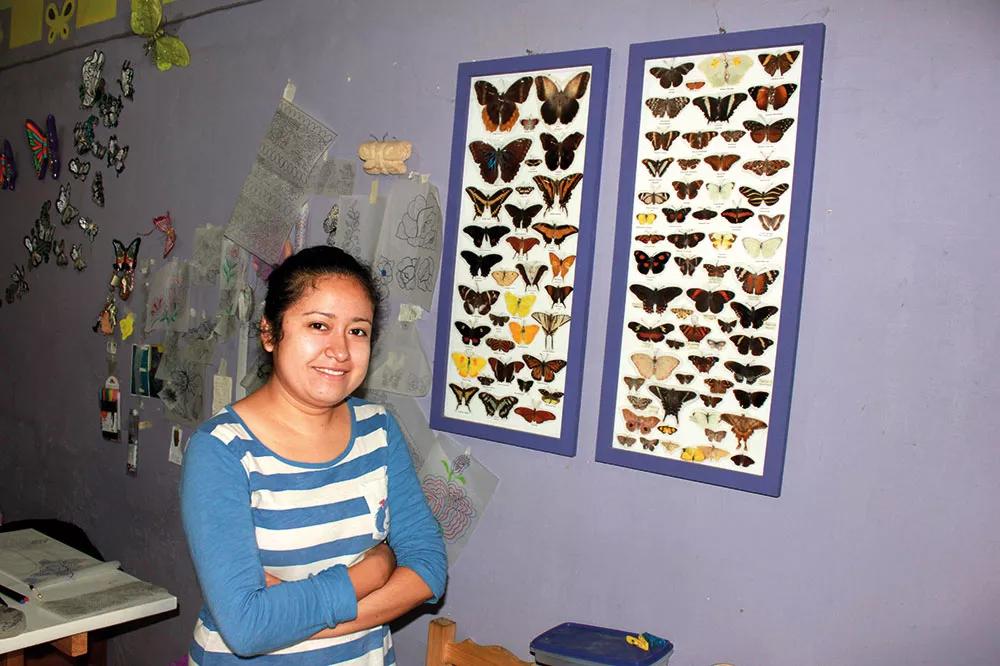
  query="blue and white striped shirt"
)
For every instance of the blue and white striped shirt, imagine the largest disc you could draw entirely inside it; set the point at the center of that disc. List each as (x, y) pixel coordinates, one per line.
(247, 510)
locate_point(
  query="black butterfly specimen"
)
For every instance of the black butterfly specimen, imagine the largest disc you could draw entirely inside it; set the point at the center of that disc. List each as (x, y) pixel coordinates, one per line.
(504, 372)
(704, 214)
(500, 110)
(753, 317)
(688, 265)
(699, 140)
(492, 234)
(672, 399)
(472, 335)
(655, 300)
(703, 363)
(667, 106)
(657, 168)
(748, 344)
(769, 198)
(662, 140)
(646, 264)
(560, 105)
(521, 217)
(775, 63)
(463, 395)
(687, 190)
(557, 191)
(650, 333)
(686, 240)
(558, 294)
(477, 302)
(559, 154)
(671, 77)
(675, 214)
(713, 301)
(481, 202)
(737, 215)
(747, 398)
(505, 162)
(480, 264)
(719, 109)
(747, 373)
(495, 406)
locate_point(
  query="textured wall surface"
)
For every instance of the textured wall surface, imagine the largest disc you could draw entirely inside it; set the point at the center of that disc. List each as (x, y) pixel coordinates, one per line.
(883, 547)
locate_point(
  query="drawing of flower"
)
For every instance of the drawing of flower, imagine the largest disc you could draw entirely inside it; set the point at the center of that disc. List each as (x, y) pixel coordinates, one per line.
(425, 274)
(451, 506)
(419, 224)
(407, 272)
(383, 276)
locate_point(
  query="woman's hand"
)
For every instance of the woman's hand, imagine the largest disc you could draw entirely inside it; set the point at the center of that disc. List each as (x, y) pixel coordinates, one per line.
(367, 575)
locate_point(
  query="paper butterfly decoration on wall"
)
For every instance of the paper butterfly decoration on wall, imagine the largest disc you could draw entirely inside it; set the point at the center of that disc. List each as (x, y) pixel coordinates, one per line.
(165, 225)
(58, 20)
(44, 146)
(385, 157)
(126, 259)
(8, 168)
(91, 86)
(165, 50)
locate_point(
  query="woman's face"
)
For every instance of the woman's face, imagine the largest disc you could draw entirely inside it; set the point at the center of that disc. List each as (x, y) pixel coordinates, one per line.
(323, 353)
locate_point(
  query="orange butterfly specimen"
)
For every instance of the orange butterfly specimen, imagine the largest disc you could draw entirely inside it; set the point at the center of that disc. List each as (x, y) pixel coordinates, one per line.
(694, 333)
(688, 164)
(561, 266)
(695, 85)
(775, 63)
(666, 429)
(756, 283)
(718, 385)
(737, 215)
(662, 140)
(682, 313)
(650, 239)
(558, 294)
(643, 424)
(543, 370)
(699, 140)
(555, 234)
(743, 427)
(703, 363)
(500, 110)
(534, 415)
(766, 167)
(505, 372)
(499, 345)
(687, 190)
(522, 245)
(557, 191)
(504, 278)
(732, 136)
(775, 97)
(759, 132)
(523, 335)
(722, 162)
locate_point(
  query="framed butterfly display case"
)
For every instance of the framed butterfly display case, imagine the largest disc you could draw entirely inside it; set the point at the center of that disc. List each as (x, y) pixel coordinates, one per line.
(518, 248)
(713, 210)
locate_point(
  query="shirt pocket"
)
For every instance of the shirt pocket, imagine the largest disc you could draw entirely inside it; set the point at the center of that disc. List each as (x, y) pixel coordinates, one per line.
(376, 492)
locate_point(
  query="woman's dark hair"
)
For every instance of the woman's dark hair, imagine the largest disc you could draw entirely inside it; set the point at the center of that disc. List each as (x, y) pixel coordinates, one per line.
(289, 280)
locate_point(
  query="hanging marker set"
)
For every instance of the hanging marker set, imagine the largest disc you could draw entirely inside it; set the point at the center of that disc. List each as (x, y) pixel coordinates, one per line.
(111, 410)
(132, 464)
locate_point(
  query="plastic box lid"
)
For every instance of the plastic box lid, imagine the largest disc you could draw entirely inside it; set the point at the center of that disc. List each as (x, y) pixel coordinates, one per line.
(596, 645)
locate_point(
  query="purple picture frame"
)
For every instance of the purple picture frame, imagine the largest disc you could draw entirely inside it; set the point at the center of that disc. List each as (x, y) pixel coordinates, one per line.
(811, 38)
(518, 431)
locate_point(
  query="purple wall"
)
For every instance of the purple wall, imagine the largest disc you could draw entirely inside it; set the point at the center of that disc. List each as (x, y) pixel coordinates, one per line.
(884, 546)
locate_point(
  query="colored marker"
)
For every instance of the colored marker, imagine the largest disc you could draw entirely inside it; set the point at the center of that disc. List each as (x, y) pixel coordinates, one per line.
(16, 596)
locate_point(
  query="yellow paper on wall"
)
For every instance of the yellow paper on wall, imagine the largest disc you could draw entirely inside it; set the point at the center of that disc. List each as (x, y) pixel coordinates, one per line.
(25, 22)
(89, 12)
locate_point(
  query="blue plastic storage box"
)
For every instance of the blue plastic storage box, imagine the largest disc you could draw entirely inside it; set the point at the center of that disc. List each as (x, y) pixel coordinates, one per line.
(572, 644)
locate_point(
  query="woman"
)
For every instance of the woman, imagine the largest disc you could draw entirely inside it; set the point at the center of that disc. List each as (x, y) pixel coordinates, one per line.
(289, 495)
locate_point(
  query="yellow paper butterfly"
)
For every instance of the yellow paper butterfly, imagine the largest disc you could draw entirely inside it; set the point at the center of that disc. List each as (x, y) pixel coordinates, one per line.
(722, 241)
(523, 335)
(645, 218)
(468, 366)
(504, 278)
(58, 21)
(519, 306)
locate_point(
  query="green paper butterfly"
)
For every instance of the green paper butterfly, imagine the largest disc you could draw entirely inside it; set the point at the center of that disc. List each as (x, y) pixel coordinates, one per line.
(166, 50)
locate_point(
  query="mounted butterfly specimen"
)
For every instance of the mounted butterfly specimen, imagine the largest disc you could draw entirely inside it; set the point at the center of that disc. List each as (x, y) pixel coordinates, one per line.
(661, 140)
(463, 396)
(732, 136)
(704, 214)
(713, 301)
(687, 265)
(634, 422)
(559, 154)
(558, 294)
(710, 400)
(561, 265)
(775, 97)
(694, 333)
(477, 302)
(672, 399)
(747, 344)
(44, 147)
(500, 110)
(671, 77)
(525, 190)
(686, 240)
(505, 372)
(500, 345)
(766, 167)
(657, 168)
(716, 271)
(703, 364)
(649, 239)
(756, 283)
(772, 133)
(522, 246)
(650, 333)
(720, 192)
(523, 335)
(8, 168)
(536, 416)
(499, 407)
(719, 109)
(687, 190)
(529, 124)
(667, 106)
(753, 317)
(725, 69)
(550, 323)
(472, 335)
(531, 273)
(737, 215)
(747, 373)
(639, 402)
(769, 198)
(468, 366)
(519, 305)
(689, 164)
(778, 63)
(634, 383)
(718, 386)
(653, 198)
(505, 162)
(748, 399)
(699, 140)
(770, 222)
(647, 264)
(655, 299)
(655, 366)
(560, 104)
(675, 214)
(761, 248)
(722, 162)
(645, 218)
(555, 234)
(482, 202)
(491, 234)
(480, 264)
(521, 217)
(722, 241)
(743, 427)
(557, 191)
(543, 370)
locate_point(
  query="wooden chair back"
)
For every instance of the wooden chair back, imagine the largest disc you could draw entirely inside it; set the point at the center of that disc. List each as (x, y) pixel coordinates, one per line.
(442, 650)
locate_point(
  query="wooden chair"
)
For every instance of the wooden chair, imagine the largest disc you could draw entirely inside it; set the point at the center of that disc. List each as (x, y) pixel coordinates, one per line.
(442, 650)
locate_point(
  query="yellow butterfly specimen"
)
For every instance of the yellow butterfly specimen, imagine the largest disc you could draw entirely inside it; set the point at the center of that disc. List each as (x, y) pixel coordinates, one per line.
(722, 241)
(659, 367)
(666, 429)
(725, 69)
(645, 218)
(468, 366)
(523, 335)
(519, 306)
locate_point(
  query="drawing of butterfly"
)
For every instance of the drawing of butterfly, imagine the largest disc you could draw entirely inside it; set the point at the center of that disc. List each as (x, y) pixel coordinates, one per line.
(722, 241)
(717, 271)
(775, 63)
(769, 198)
(655, 299)
(481, 202)
(550, 323)
(725, 69)
(116, 155)
(44, 147)
(463, 395)
(683, 379)
(67, 210)
(551, 397)
(500, 111)
(753, 317)
(661, 140)
(521, 217)
(658, 367)
(505, 372)
(657, 168)
(560, 105)
(703, 214)
(699, 140)
(688, 164)
(646, 264)
(165, 225)
(505, 162)
(719, 109)
(491, 234)
(669, 107)
(499, 345)
(766, 167)
(703, 363)
(559, 154)
(687, 265)
(747, 344)
(774, 96)
(97, 189)
(653, 198)
(480, 263)
(555, 234)
(748, 399)
(672, 399)
(762, 248)
(675, 214)
(558, 294)
(756, 283)
(743, 427)
(686, 240)
(76, 255)
(732, 136)
(472, 335)
(531, 273)
(643, 424)
(771, 222)
(561, 266)
(645, 218)
(522, 246)
(737, 215)
(537, 416)
(747, 373)
(713, 301)
(557, 191)
(523, 334)
(500, 407)
(671, 77)
(634, 383)
(477, 302)
(543, 370)
(687, 190)
(722, 162)
(650, 239)
(694, 333)
(8, 167)
(650, 333)
(126, 259)
(772, 133)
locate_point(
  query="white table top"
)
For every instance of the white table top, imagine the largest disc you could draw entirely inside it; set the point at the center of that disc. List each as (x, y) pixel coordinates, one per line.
(44, 626)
